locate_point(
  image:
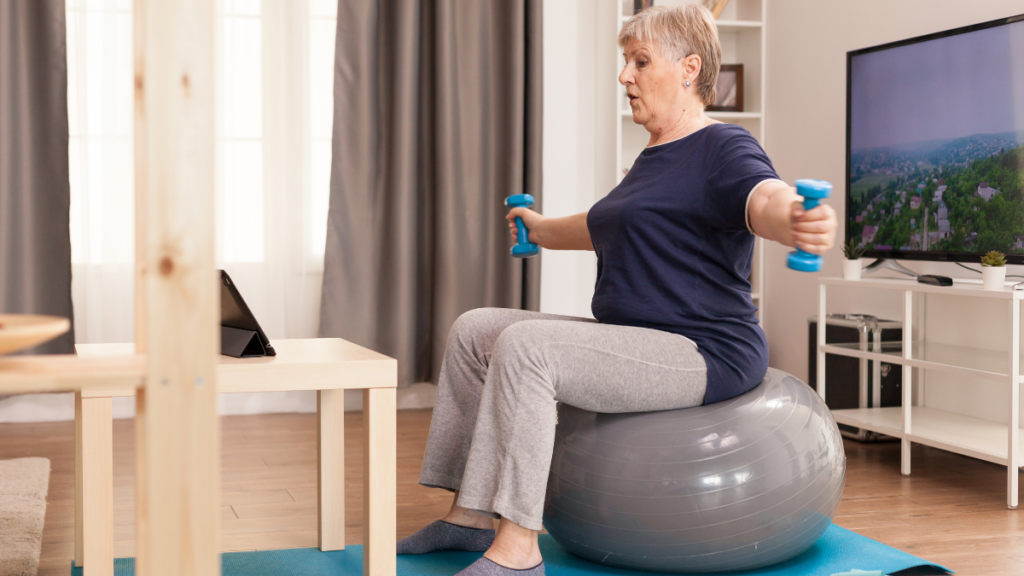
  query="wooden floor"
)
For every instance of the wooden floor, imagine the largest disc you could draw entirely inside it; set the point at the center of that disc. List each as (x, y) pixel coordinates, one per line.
(951, 511)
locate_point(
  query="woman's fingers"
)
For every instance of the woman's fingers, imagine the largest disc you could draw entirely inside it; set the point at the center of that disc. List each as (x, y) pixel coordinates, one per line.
(819, 213)
(814, 227)
(814, 230)
(813, 248)
(525, 213)
(815, 239)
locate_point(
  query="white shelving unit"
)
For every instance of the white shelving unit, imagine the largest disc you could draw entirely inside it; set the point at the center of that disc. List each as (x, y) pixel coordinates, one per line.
(741, 29)
(983, 439)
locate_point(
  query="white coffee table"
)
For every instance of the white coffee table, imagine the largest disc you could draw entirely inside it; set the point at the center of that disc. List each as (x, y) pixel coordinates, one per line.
(328, 365)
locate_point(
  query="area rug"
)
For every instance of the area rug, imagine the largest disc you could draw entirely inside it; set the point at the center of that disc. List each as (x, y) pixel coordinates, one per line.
(23, 486)
(839, 550)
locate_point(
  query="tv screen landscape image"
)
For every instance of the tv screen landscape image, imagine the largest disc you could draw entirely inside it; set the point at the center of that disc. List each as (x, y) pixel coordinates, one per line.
(935, 145)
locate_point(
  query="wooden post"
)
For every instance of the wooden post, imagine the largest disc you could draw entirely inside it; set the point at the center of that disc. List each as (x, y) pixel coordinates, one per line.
(177, 433)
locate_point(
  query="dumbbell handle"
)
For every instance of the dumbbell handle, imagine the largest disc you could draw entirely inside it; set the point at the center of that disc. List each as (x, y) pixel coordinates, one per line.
(809, 203)
(522, 233)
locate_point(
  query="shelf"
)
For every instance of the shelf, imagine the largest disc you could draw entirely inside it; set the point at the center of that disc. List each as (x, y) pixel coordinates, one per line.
(972, 437)
(723, 25)
(733, 115)
(960, 360)
(66, 372)
(737, 25)
(715, 115)
(960, 287)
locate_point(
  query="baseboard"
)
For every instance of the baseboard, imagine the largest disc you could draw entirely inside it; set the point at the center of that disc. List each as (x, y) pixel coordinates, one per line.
(61, 407)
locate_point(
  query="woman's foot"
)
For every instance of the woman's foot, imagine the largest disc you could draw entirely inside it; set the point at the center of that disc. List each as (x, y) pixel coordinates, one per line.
(515, 548)
(461, 529)
(441, 535)
(487, 567)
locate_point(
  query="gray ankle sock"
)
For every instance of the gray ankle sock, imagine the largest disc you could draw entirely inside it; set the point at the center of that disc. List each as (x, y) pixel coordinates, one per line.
(440, 535)
(486, 567)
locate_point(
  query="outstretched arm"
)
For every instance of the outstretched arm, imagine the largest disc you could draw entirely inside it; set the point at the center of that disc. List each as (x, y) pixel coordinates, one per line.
(568, 233)
(775, 212)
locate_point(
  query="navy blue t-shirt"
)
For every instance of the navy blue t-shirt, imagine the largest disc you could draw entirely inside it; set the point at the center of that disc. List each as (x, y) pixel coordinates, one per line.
(674, 251)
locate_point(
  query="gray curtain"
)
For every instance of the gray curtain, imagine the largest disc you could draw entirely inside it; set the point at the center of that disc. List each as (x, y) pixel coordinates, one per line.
(437, 118)
(35, 195)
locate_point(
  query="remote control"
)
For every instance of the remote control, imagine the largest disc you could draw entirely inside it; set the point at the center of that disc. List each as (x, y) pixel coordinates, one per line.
(935, 280)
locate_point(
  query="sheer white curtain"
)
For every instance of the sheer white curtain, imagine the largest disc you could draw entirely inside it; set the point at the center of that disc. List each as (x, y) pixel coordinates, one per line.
(274, 102)
(274, 65)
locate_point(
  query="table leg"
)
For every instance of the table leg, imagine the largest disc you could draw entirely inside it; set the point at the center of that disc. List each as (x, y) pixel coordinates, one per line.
(330, 448)
(908, 388)
(822, 321)
(379, 477)
(94, 486)
(1013, 430)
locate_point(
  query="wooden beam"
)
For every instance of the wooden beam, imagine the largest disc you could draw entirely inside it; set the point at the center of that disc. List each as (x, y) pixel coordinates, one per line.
(177, 433)
(64, 372)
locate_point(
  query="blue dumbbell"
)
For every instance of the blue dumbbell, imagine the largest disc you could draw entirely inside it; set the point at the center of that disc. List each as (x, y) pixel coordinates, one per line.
(524, 248)
(812, 191)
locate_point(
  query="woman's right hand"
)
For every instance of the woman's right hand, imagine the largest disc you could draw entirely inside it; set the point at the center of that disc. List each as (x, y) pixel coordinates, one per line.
(532, 220)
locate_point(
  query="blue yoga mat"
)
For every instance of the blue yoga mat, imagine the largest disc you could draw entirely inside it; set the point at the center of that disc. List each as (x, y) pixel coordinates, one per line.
(839, 550)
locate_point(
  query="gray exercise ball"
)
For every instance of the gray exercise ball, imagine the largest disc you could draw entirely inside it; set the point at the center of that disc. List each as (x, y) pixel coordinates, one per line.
(730, 486)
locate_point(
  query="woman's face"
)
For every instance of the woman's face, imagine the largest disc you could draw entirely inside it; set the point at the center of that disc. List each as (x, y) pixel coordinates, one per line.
(654, 84)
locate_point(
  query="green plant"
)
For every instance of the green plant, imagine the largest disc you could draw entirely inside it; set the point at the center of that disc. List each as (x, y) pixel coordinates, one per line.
(993, 258)
(852, 251)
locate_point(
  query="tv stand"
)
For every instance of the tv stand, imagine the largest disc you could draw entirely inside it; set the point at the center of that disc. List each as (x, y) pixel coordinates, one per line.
(940, 425)
(883, 264)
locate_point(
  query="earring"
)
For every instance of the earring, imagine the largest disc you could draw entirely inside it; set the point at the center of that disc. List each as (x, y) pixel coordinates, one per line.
(687, 83)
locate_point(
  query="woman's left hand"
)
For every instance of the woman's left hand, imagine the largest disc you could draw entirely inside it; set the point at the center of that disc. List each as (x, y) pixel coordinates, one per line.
(814, 230)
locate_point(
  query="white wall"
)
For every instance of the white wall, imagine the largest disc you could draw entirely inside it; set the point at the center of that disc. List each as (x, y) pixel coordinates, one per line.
(807, 45)
(579, 136)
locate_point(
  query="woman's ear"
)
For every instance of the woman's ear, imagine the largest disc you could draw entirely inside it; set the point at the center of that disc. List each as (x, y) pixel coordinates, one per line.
(691, 67)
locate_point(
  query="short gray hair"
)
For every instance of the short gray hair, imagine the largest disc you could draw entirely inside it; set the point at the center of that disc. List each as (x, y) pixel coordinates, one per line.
(678, 32)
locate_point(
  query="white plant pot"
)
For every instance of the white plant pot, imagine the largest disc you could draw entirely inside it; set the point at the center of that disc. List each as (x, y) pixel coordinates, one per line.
(993, 277)
(851, 269)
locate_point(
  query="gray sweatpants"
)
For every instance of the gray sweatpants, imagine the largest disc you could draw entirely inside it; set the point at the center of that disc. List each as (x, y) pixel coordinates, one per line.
(493, 428)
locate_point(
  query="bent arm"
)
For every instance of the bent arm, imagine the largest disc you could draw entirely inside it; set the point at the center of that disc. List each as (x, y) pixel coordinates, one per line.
(567, 233)
(775, 212)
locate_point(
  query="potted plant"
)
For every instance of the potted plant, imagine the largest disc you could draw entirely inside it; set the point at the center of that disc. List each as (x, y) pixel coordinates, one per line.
(993, 270)
(851, 266)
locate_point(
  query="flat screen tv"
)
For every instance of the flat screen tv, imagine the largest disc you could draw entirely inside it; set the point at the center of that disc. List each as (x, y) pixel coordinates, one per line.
(935, 145)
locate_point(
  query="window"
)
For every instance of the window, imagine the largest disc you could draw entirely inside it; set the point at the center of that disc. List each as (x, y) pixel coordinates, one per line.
(101, 111)
(274, 73)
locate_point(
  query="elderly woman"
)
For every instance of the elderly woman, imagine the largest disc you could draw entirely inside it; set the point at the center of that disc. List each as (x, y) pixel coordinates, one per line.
(675, 323)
